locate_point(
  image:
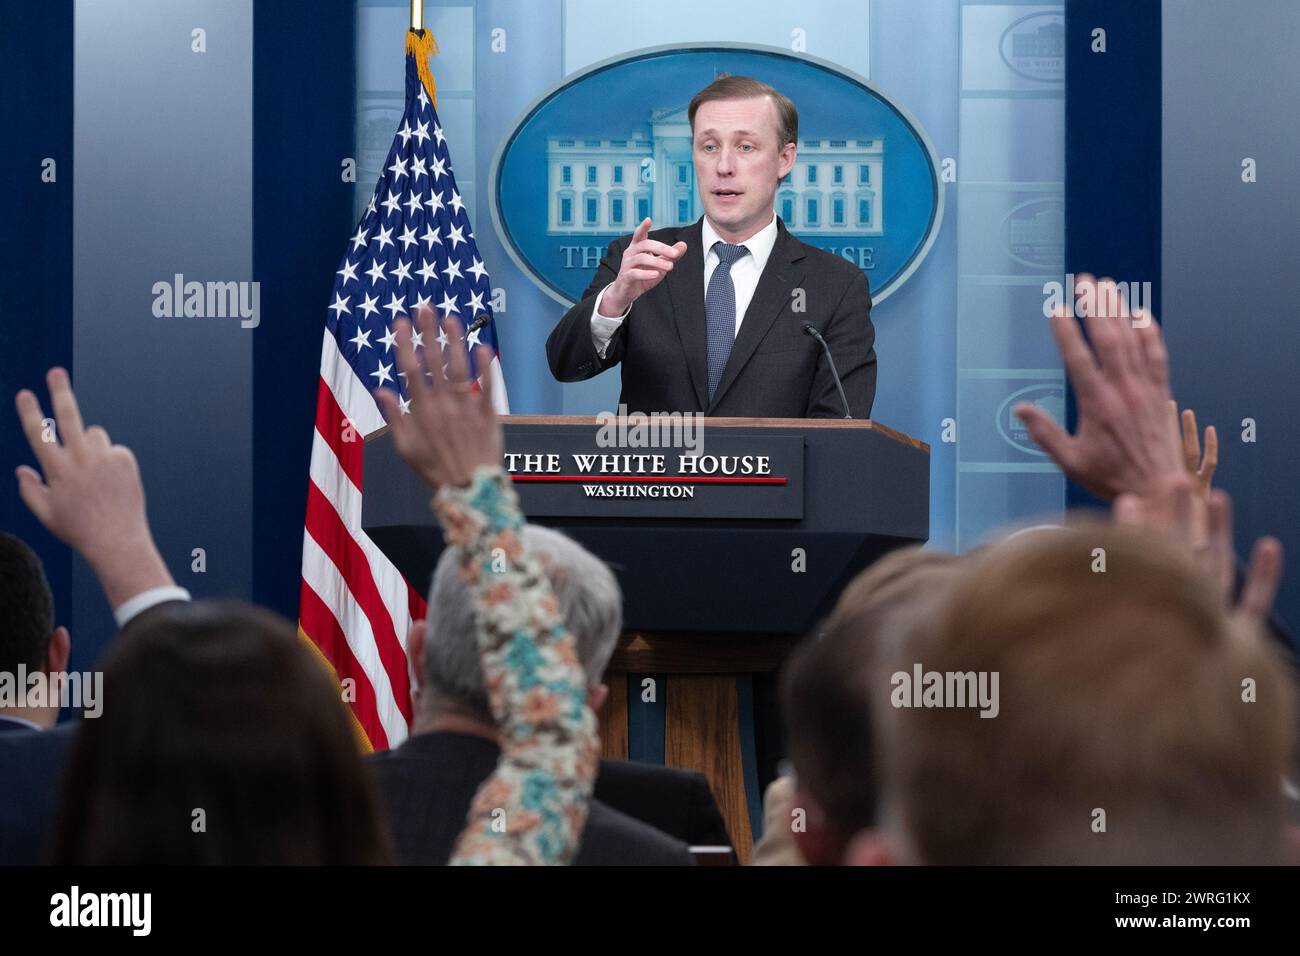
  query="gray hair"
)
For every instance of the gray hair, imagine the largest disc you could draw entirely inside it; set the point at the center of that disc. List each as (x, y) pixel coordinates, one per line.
(591, 606)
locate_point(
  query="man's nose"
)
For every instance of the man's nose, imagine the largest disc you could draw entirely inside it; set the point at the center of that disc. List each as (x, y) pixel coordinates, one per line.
(726, 163)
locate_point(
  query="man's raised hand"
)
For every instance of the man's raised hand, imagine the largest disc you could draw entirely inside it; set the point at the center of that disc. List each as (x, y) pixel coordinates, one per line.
(449, 428)
(90, 495)
(1202, 526)
(1124, 442)
(645, 263)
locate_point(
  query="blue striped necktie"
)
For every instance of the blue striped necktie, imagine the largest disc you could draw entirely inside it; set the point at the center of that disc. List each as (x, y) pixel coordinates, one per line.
(720, 311)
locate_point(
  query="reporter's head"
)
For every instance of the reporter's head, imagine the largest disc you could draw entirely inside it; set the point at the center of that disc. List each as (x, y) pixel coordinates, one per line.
(590, 602)
(223, 740)
(28, 637)
(828, 691)
(1135, 722)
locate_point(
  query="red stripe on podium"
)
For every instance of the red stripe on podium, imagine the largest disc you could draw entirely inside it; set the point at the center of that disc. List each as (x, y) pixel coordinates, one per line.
(679, 480)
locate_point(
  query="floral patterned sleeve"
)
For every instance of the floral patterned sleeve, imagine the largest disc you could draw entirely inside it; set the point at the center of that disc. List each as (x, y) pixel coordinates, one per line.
(533, 807)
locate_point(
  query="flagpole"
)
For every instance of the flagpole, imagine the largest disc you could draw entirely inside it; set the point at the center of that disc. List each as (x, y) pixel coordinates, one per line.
(417, 14)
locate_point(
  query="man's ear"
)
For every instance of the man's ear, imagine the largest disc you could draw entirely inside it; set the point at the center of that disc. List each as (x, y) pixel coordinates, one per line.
(808, 829)
(57, 654)
(415, 652)
(872, 847)
(596, 697)
(786, 164)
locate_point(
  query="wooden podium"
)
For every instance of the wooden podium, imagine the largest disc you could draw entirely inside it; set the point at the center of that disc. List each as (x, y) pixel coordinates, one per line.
(728, 551)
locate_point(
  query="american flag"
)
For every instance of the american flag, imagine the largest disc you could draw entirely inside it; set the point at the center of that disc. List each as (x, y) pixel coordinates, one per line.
(413, 249)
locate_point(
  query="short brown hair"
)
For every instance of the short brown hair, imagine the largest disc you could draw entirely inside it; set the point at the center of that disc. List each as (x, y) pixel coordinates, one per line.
(26, 606)
(1121, 689)
(727, 87)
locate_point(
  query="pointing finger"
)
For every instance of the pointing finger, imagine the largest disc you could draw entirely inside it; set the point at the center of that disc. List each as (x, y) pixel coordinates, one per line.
(66, 411)
(33, 422)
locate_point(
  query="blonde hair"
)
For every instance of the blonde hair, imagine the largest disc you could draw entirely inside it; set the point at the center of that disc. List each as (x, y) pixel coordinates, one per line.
(1124, 732)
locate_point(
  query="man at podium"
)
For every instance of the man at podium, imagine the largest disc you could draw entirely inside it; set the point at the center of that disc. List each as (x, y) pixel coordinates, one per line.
(732, 315)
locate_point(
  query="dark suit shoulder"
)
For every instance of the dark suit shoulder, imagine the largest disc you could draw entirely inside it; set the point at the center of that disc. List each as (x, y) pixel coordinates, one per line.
(611, 838)
(676, 802)
(427, 784)
(31, 767)
(823, 261)
(632, 772)
(425, 788)
(436, 756)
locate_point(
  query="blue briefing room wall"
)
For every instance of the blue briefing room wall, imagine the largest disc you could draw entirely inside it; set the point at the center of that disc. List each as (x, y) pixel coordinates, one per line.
(1112, 152)
(164, 187)
(304, 120)
(1230, 77)
(36, 71)
(1125, 177)
(66, 80)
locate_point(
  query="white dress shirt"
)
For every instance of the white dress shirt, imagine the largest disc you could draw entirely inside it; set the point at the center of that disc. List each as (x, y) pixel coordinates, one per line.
(21, 722)
(134, 606)
(745, 273)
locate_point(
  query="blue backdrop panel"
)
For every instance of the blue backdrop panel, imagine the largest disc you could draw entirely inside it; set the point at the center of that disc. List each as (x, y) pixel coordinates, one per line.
(304, 118)
(168, 193)
(1230, 79)
(36, 71)
(1112, 151)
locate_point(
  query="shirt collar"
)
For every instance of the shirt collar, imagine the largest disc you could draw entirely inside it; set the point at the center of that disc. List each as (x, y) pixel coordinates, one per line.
(25, 724)
(760, 244)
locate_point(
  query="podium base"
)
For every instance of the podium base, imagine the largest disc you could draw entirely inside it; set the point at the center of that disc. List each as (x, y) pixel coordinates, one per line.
(686, 700)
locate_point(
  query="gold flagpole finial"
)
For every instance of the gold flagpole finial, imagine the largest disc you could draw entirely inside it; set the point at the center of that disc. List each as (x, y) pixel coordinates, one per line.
(417, 14)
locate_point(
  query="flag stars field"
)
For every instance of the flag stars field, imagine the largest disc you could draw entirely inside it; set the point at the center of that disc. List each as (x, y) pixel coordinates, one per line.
(386, 274)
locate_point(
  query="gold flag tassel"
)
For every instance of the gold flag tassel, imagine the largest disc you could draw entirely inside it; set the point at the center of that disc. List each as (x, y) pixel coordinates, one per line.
(422, 45)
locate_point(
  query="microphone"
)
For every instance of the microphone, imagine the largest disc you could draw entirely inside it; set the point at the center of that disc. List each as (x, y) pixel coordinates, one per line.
(478, 323)
(810, 329)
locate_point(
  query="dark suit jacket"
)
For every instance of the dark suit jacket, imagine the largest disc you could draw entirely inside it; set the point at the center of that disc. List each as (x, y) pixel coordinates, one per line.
(676, 802)
(426, 786)
(31, 773)
(775, 370)
(31, 781)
